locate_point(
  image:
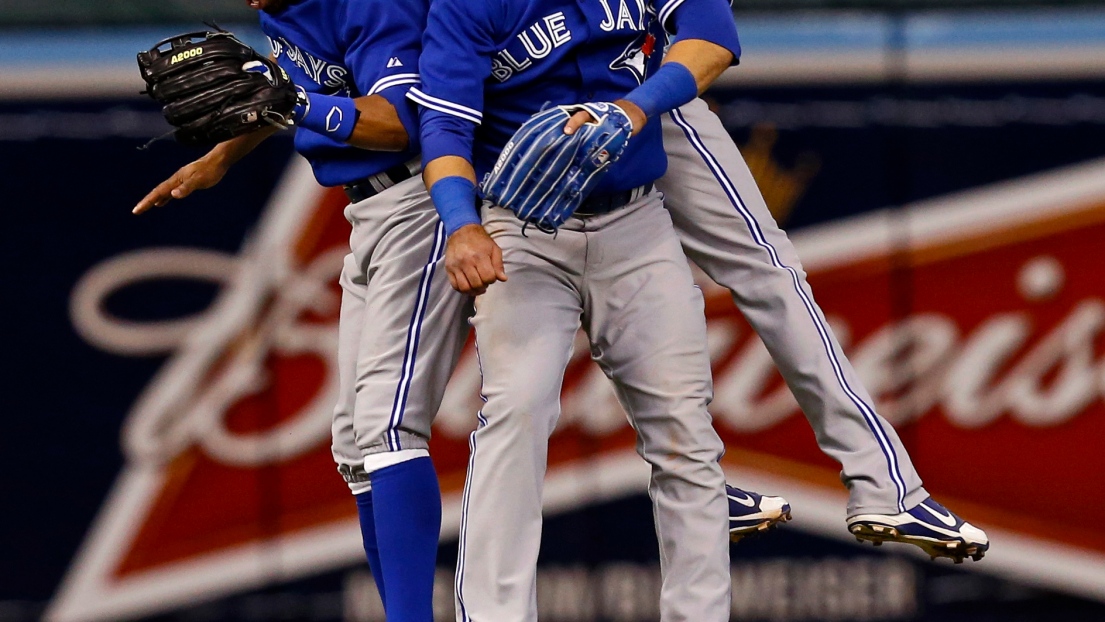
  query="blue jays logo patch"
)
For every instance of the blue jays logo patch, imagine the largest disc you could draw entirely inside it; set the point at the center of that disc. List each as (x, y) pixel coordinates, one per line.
(635, 57)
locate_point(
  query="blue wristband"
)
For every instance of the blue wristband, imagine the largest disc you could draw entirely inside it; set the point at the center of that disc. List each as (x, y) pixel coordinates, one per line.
(329, 115)
(669, 88)
(455, 201)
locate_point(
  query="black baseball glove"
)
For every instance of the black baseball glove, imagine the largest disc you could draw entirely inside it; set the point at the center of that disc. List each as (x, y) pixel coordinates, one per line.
(213, 87)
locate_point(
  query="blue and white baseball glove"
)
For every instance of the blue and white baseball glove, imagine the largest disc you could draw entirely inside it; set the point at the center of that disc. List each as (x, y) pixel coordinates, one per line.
(543, 175)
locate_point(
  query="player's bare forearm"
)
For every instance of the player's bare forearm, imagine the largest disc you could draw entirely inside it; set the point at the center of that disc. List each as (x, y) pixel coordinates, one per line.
(204, 172)
(378, 126)
(447, 166)
(706, 61)
(472, 259)
(228, 153)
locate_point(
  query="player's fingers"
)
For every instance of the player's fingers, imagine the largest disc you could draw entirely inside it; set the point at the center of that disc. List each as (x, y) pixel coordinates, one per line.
(475, 279)
(577, 121)
(460, 281)
(156, 198)
(167, 190)
(184, 188)
(486, 268)
(145, 204)
(497, 263)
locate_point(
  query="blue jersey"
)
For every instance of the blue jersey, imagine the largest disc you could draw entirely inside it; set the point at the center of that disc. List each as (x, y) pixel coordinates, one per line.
(350, 48)
(488, 65)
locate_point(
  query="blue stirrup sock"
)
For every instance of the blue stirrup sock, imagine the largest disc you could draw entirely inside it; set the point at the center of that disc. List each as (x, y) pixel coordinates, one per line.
(407, 509)
(368, 537)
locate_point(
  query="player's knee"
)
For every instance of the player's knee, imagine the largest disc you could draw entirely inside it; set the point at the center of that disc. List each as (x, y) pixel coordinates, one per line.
(526, 407)
(682, 446)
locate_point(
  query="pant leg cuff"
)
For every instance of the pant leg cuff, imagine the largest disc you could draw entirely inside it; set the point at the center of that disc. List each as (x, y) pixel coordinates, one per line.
(911, 500)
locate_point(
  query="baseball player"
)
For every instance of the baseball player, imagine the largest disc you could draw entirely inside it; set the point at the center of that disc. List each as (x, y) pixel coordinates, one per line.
(400, 331)
(727, 230)
(401, 327)
(615, 268)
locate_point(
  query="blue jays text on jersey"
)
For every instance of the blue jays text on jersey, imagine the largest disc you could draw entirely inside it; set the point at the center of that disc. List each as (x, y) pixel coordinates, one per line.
(331, 78)
(488, 65)
(541, 38)
(350, 48)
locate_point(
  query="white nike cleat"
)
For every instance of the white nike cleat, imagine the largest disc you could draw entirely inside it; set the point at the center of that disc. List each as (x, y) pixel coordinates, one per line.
(751, 512)
(929, 525)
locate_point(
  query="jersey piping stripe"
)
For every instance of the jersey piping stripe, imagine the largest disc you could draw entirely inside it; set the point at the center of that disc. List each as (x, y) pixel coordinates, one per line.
(667, 10)
(440, 105)
(870, 418)
(414, 336)
(393, 80)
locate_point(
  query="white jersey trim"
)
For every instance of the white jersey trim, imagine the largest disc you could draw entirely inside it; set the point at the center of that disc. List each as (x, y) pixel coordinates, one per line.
(393, 80)
(448, 107)
(667, 10)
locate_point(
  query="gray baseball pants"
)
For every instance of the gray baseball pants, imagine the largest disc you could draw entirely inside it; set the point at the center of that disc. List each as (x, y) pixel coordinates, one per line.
(622, 277)
(401, 330)
(726, 229)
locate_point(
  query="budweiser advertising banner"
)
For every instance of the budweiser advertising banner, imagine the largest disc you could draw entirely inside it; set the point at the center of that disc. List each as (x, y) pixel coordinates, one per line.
(976, 319)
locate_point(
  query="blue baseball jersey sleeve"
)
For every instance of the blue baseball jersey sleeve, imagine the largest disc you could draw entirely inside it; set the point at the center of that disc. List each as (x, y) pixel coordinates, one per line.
(351, 48)
(710, 21)
(488, 65)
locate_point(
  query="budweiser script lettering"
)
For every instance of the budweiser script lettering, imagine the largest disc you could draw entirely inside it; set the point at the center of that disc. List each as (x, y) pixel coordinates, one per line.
(1007, 365)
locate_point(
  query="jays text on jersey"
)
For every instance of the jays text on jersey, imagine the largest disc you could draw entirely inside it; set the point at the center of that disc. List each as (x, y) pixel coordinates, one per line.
(488, 65)
(351, 48)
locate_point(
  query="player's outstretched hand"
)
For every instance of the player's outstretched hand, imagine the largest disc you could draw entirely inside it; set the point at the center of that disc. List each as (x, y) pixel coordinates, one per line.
(633, 111)
(473, 260)
(199, 175)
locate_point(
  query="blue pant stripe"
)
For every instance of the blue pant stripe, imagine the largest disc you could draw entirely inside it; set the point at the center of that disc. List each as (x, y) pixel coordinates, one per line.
(757, 234)
(414, 335)
(462, 548)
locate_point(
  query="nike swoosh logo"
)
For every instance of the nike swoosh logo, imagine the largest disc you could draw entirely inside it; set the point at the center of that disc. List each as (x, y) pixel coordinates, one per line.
(947, 519)
(747, 501)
